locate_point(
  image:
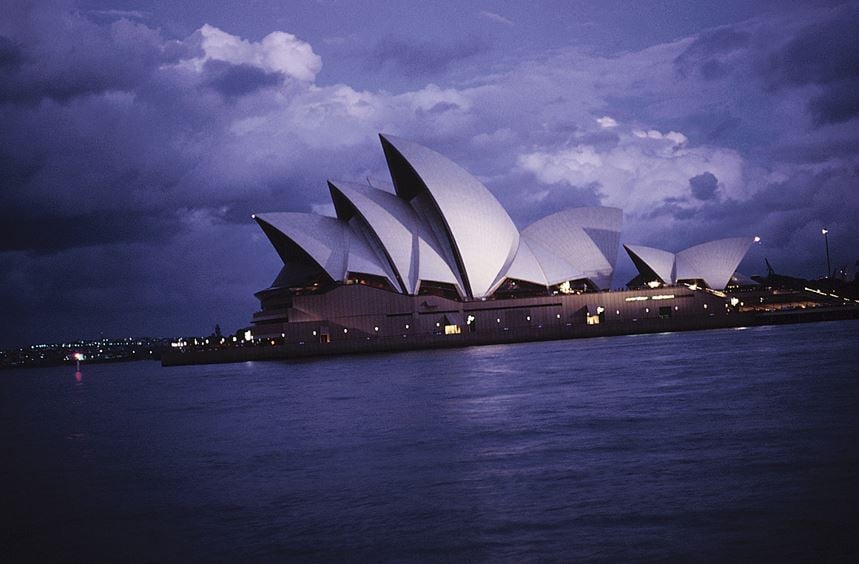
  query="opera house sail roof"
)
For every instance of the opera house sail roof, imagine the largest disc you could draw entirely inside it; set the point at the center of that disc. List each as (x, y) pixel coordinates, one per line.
(436, 229)
(712, 263)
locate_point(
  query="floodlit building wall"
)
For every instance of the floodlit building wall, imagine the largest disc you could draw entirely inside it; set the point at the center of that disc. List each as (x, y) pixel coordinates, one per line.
(361, 312)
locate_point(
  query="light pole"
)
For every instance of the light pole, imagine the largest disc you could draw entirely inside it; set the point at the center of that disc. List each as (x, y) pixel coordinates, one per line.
(825, 232)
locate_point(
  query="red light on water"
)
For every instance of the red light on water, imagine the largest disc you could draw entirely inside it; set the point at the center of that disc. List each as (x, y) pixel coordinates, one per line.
(79, 376)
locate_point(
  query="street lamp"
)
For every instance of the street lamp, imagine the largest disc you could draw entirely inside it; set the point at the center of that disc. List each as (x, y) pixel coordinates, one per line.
(825, 233)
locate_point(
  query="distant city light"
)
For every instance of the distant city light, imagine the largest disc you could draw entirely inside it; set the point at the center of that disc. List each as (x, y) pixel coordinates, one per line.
(757, 239)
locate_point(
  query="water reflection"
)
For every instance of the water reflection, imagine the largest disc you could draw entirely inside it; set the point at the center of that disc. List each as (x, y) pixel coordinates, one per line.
(79, 377)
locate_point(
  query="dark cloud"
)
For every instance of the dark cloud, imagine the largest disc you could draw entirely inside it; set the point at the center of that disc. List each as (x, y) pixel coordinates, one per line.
(839, 102)
(823, 54)
(674, 209)
(811, 150)
(704, 186)
(528, 206)
(44, 231)
(707, 55)
(232, 81)
(603, 139)
(820, 53)
(419, 58)
(10, 55)
(442, 107)
(73, 56)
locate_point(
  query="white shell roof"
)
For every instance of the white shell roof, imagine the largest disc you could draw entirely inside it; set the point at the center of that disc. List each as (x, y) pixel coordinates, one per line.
(444, 226)
(554, 267)
(471, 213)
(585, 238)
(661, 262)
(714, 262)
(409, 244)
(331, 243)
(526, 266)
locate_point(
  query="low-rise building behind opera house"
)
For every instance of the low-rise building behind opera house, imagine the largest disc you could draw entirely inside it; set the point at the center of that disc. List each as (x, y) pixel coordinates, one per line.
(433, 256)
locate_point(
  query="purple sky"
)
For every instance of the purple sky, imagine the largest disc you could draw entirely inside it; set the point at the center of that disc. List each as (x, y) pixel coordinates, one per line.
(136, 138)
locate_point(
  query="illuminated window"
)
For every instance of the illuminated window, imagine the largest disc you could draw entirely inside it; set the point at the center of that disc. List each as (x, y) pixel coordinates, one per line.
(705, 306)
(407, 325)
(376, 328)
(452, 330)
(593, 319)
(345, 330)
(558, 316)
(635, 299)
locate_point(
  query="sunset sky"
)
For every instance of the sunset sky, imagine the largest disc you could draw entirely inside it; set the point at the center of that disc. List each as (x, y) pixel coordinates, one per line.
(137, 137)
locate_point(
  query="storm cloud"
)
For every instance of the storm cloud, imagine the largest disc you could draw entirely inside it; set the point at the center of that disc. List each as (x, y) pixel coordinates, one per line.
(704, 186)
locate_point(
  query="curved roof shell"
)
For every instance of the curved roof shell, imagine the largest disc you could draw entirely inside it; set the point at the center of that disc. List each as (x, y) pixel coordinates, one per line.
(439, 224)
(328, 242)
(652, 262)
(526, 266)
(586, 239)
(470, 213)
(408, 244)
(713, 262)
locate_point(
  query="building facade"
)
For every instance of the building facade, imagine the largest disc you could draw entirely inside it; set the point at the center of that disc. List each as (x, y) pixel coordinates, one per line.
(434, 255)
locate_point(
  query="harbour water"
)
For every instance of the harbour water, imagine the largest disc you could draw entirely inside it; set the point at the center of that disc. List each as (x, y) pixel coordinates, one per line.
(711, 445)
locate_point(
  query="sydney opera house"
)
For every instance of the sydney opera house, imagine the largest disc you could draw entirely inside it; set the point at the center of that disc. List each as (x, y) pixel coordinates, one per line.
(433, 256)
